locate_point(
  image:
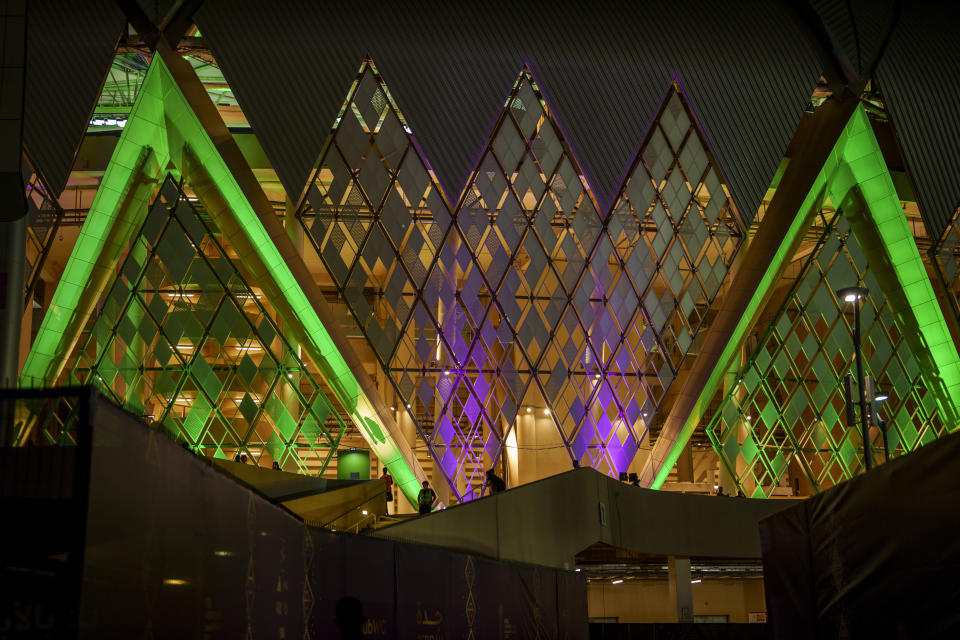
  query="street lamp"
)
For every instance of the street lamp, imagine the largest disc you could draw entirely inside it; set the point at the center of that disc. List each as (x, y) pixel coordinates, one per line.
(854, 295)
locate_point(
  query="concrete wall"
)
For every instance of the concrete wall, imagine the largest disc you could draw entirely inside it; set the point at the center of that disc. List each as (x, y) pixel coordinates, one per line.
(537, 451)
(549, 521)
(649, 600)
(337, 504)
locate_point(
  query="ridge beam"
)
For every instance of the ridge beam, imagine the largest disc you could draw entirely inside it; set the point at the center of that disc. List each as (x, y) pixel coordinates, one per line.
(275, 259)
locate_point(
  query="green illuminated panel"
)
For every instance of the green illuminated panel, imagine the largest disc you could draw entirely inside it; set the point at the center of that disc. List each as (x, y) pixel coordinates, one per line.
(787, 404)
(866, 169)
(184, 341)
(109, 224)
(163, 122)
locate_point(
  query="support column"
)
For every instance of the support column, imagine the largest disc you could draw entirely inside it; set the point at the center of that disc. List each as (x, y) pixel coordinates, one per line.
(13, 204)
(12, 262)
(681, 591)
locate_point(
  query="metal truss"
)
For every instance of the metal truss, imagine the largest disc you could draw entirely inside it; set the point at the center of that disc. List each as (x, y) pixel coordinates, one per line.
(125, 78)
(527, 293)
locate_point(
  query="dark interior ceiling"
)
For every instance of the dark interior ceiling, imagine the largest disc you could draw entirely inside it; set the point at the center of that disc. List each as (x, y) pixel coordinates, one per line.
(748, 69)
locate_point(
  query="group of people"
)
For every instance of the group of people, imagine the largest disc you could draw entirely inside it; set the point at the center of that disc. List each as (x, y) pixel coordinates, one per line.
(427, 496)
(425, 499)
(242, 459)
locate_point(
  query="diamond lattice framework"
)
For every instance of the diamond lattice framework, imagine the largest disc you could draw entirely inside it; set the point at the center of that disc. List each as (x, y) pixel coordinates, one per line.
(788, 406)
(947, 262)
(186, 341)
(527, 291)
(165, 134)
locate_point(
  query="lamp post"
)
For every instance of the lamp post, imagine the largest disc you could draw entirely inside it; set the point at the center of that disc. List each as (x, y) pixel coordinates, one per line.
(854, 295)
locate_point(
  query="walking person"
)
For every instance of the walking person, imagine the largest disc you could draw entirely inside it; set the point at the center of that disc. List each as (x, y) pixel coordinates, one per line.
(425, 498)
(495, 483)
(388, 480)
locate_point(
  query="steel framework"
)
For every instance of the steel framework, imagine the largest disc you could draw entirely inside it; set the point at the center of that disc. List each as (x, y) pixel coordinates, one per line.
(184, 340)
(787, 405)
(527, 293)
(164, 130)
(522, 293)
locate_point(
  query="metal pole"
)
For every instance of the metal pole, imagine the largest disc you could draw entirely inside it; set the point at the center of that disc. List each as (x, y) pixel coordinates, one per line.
(864, 416)
(886, 443)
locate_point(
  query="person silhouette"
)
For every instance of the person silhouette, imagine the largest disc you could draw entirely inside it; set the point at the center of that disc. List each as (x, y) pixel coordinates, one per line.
(425, 499)
(349, 618)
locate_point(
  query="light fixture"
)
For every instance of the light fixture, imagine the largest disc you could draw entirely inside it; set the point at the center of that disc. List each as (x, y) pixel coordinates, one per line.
(408, 405)
(289, 375)
(174, 581)
(546, 412)
(392, 409)
(364, 512)
(529, 409)
(697, 581)
(852, 294)
(222, 554)
(577, 570)
(616, 582)
(749, 418)
(880, 397)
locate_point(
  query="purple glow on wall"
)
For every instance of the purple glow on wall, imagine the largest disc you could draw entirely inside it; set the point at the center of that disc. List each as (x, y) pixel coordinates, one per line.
(529, 288)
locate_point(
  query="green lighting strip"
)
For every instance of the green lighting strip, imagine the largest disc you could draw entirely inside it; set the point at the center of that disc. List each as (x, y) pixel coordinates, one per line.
(863, 167)
(800, 222)
(855, 162)
(105, 233)
(163, 121)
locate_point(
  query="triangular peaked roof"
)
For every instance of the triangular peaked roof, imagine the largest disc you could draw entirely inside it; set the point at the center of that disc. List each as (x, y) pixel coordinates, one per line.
(855, 177)
(165, 135)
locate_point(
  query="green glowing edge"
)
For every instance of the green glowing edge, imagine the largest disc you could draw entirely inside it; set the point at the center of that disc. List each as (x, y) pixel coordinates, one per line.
(105, 231)
(855, 161)
(161, 118)
(864, 167)
(767, 282)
